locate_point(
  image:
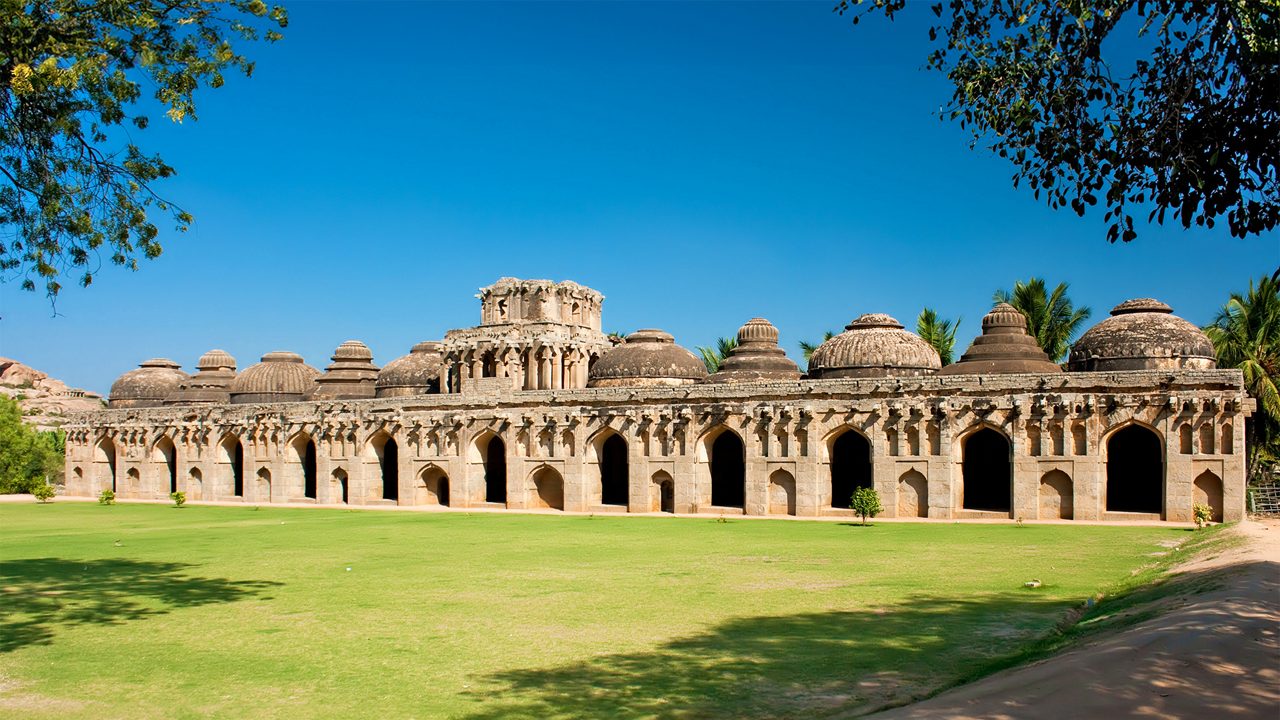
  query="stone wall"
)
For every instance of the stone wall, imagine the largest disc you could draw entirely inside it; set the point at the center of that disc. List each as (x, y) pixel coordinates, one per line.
(1058, 428)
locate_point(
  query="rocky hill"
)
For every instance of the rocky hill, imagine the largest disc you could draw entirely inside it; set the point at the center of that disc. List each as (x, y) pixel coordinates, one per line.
(45, 401)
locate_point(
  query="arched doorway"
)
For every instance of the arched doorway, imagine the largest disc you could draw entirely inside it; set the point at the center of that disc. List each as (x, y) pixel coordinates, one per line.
(434, 486)
(913, 495)
(338, 485)
(665, 492)
(850, 467)
(988, 480)
(728, 471)
(389, 464)
(782, 493)
(1208, 491)
(1135, 471)
(548, 489)
(262, 493)
(493, 453)
(304, 449)
(233, 460)
(105, 460)
(195, 484)
(166, 453)
(1057, 500)
(614, 473)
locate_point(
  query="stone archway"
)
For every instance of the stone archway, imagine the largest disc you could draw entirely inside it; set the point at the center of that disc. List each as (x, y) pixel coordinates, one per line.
(664, 493)
(728, 471)
(433, 487)
(614, 471)
(850, 466)
(548, 489)
(782, 493)
(1135, 471)
(1057, 496)
(1208, 491)
(987, 472)
(913, 495)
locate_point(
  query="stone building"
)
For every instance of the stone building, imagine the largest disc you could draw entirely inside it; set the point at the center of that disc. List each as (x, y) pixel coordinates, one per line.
(537, 408)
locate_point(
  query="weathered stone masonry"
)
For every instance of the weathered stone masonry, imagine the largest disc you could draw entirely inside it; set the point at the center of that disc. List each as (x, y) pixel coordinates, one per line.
(1086, 445)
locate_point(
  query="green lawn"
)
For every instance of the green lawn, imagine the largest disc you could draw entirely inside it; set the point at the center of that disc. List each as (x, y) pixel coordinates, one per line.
(146, 611)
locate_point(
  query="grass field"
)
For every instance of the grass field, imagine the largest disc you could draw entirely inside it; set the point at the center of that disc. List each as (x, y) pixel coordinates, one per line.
(146, 611)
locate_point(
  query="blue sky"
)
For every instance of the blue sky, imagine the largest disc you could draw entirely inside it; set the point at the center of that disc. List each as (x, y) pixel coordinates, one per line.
(698, 163)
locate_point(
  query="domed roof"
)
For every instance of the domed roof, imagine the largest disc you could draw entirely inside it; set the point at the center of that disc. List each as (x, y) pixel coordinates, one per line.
(1142, 334)
(350, 376)
(874, 345)
(648, 357)
(1004, 346)
(215, 371)
(146, 386)
(417, 373)
(280, 377)
(757, 356)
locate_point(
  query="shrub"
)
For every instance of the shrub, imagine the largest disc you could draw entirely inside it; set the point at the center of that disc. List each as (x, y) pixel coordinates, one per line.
(866, 502)
(179, 498)
(108, 497)
(1203, 514)
(43, 493)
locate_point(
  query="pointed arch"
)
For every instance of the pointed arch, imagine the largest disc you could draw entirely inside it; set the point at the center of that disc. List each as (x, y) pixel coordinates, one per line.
(432, 486)
(195, 484)
(1207, 438)
(262, 489)
(1228, 445)
(338, 486)
(1056, 496)
(782, 493)
(913, 495)
(727, 462)
(1208, 491)
(610, 452)
(302, 460)
(381, 448)
(489, 453)
(548, 488)
(1135, 469)
(104, 464)
(986, 470)
(850, 467)
(164, 452)
(230, 465)
(664, 492)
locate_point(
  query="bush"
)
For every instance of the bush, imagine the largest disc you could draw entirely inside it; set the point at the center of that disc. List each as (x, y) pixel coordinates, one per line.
(1203, 514)
(866, 502)
(108, 497)
(179, 498)
(26, 457)
(43, 493)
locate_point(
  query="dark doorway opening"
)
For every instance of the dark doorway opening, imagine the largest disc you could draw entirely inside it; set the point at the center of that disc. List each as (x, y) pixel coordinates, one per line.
(309, 470)
(850, 467)
(728, 471)
(237, 469)
(988, 482)
(1135, 471)
(495, 471)
(390, 462)
(614, 475)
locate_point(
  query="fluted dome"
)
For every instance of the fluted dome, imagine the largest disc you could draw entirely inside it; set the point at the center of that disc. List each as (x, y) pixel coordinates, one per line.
(1004, 346)
(874, 345)
(1143, 334)
(648, 357)
(146, 386)
(215, 371)
(417, 373)
(280, 377)
(350, 376)
(757, 356)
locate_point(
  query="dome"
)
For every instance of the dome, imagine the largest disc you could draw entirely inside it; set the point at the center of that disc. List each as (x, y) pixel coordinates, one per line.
(280, 377)
(350, 376)
(757, 356)
(647, 358)
(417, 373)
(1142, 334)
(874, 345)
(211, 385)
(1004, 346)
(146, 386)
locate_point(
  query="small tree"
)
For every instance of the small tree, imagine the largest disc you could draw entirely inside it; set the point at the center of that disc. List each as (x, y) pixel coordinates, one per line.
(866, 502)
(108, 497)
(1203, 514)
(43, 492)
(179, 498)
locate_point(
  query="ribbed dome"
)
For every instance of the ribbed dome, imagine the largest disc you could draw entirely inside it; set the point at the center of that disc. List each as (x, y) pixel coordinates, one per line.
(648, 357)
(211, 385)
(280, 377)
(1142, 334)
(874, 345)
(350, 376)
(417, 373)
(147, 386)
(757, 356)
(1004, 346)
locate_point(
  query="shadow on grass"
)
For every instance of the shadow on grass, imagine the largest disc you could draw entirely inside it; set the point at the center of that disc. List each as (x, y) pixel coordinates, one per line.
(803, 665)
(40, 595)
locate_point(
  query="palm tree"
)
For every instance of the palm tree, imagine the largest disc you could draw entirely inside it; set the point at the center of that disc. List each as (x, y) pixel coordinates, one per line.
(713, 357)
(939, 333)
(1051, 318)
(807, 347)
(1246, 335)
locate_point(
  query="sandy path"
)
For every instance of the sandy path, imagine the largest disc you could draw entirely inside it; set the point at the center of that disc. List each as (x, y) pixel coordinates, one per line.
(1217, 655)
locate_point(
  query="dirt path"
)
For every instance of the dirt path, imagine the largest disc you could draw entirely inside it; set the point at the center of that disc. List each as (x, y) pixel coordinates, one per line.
(1216, 655)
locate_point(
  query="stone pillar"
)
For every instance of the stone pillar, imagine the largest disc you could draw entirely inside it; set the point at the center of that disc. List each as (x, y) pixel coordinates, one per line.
(557, 366)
